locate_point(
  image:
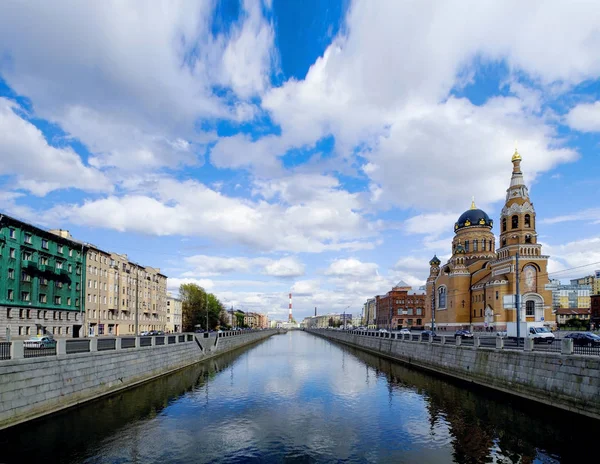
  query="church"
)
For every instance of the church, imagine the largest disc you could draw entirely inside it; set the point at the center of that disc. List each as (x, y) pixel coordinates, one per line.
(475, 289)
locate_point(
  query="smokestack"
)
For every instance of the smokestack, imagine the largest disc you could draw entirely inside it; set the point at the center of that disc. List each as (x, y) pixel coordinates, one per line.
(290, 313)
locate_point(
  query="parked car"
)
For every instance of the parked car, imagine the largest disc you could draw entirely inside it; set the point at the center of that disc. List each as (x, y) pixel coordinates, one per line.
(40, 341)
(463, 333)
(383, 331)
(145, 333)
(405, 331)
(584, 338)
(427, 334)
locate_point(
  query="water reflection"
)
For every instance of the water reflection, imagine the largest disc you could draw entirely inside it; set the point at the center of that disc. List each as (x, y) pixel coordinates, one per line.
(299, 398)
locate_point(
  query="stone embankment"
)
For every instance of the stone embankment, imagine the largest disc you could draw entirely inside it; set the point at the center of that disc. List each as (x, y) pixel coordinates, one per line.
(561, 379)
(86, 369)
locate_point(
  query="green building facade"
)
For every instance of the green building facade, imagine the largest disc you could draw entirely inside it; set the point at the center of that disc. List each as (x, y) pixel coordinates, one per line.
(41, 281)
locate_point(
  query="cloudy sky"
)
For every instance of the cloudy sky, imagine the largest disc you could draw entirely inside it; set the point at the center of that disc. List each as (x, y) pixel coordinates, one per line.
(320, 147)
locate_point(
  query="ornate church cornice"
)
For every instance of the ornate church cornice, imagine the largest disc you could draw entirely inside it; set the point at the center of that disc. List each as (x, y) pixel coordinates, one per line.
(516, 208)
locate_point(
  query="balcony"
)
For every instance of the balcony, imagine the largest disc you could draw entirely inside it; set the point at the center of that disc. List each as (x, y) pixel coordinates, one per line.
(44, 267)
(63, 271)
(30, 265)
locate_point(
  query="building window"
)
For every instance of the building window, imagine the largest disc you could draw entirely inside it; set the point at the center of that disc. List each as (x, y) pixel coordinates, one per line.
(90, 283)
(89, 298)
(60, 249)
(515, 222)
(25, 296)
(442, 297)
(483, 245)
(70, 252)
(27, 256)
(43, 298)
(12, 253)
(58, 284)
(11, 294)
(59, 265)
(25, 277)
(76, 304)
(475, 247)
(497, 295)
(44, 244)
(466, 245)
(528, 238)
(419, 311)
(530, 308)
(70, 268)
(9, 313)
(43, 281)
(11, 232)
(77, 286)
(57, 300)
(28, 238)
(503, 224)
(27, 331)
(68, 301)
(504, 242)
(44, 260)
(527, 220)
(11, 273)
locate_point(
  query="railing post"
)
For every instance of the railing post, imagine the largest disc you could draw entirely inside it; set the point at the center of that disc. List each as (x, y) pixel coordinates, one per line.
(528, 344)
(137, 342)
(118, 344)
(152, 341)
(16, 349)
(420, 337)
(93, 344)
(566, 346)
(61, 347)
(443, 342)
(430, 339)
(499, 343)
(476, 342)
(458, 340)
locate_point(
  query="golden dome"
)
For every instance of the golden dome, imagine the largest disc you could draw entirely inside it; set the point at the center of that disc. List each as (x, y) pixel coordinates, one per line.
(516, 156)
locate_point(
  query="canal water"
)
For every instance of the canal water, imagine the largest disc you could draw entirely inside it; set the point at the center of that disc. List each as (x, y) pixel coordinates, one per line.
(300, 398)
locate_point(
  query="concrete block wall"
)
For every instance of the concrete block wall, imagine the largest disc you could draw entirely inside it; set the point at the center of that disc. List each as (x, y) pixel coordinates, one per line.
(33, 387)
(570, 382)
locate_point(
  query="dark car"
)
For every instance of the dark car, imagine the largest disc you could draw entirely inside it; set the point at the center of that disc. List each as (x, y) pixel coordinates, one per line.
(463, 334)
(427, 334)
(584, 339)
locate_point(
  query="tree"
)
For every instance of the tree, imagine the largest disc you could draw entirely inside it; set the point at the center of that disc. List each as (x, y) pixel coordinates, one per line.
(195, 304)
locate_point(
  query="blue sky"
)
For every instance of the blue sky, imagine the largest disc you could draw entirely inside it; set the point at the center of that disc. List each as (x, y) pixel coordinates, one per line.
(323, 148)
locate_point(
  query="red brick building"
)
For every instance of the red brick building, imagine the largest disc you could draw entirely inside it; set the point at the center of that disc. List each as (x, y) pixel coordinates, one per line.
(402, 307)
(595, 310)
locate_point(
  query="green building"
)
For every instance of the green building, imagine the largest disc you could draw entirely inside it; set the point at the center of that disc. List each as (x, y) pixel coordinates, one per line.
(41, 281)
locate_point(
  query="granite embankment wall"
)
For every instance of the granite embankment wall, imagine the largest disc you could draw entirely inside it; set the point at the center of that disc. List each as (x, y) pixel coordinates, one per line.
(34, 387)
(570, 382)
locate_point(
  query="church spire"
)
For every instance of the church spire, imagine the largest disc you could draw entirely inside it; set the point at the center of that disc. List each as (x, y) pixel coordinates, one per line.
(473, 203)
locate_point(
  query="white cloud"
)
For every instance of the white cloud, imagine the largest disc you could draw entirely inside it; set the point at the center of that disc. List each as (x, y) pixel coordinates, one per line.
(204, 265)
(38, 166)
(285, 267)
(190, 208)
(351, 268)
(585, 117)
(138, 77)
(431, 224)
(592, 215)
(574, 259)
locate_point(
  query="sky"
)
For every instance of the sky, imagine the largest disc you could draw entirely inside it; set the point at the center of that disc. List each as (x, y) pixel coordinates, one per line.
(323, 148)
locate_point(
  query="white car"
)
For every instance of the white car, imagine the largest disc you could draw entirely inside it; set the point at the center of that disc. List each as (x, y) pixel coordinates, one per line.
(39, 342)
(404, 331)
(383, 331)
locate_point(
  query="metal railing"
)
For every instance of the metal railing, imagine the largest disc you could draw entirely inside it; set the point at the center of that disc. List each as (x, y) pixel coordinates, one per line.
(159, 340)
(181, 338)
(172, 339)
(107, 344)
(5, 350)
(128, 342)
(78, 345)
(145, 341)
(38, 352)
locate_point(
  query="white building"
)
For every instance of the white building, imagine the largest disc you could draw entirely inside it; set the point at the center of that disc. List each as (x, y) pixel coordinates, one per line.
(174, 314)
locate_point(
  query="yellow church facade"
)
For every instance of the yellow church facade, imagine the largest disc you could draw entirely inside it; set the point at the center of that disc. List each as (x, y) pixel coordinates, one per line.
(476, 288)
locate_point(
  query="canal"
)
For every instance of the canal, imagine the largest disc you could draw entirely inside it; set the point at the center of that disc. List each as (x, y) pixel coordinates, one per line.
(300, 398)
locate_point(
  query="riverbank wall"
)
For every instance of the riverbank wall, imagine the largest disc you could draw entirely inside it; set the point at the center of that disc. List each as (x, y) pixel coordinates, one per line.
(566, 381)
(86, 369)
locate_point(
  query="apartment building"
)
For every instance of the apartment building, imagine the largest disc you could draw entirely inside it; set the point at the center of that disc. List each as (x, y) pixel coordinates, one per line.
(174, 314)
(40, 285)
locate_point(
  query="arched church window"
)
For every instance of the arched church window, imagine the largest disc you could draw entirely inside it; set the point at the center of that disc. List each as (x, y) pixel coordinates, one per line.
(503, 242)
(491, 248)
(466, 245)
(503, 224)
(483, 245)
(527, 220)
(530, 308)
(475, 245)
(515, 221)
(442, 297)
(528, 238)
